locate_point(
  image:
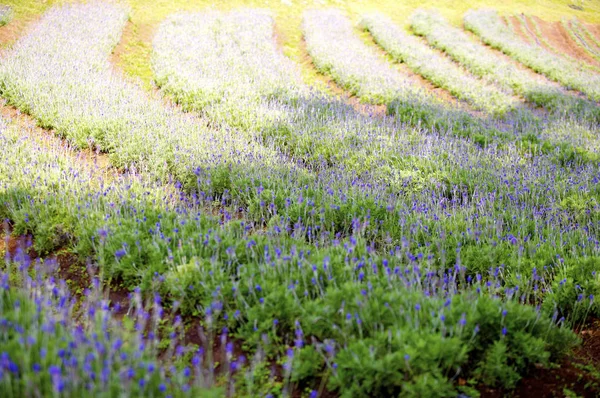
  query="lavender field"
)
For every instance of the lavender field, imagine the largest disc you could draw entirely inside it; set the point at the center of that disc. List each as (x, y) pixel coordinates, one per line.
(395, 205)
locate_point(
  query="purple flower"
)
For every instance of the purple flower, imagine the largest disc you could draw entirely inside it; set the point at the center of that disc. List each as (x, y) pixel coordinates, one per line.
(120, 253)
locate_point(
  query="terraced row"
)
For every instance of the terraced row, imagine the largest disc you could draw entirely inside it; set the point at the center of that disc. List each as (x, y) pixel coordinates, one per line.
(583, 37)
(483, 62)
(436, 68)
(488, 26)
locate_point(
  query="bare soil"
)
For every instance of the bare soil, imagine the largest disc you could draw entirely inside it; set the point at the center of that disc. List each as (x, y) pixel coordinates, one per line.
(594, 30)
(10, 32)
(515, 25)
(559, 38)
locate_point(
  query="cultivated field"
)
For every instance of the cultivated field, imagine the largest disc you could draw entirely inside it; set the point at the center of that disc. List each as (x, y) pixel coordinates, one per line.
(299, 199)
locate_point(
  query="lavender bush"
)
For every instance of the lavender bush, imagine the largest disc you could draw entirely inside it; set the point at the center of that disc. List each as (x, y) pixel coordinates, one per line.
(488, 26)
(337, 51)
(485, 63)
(437, 68)
(360, 70)
(60, 74)
(262, 286)
(50, 346)
(260, 92)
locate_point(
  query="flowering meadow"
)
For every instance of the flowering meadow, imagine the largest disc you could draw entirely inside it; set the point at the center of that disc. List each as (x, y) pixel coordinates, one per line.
(241, 232)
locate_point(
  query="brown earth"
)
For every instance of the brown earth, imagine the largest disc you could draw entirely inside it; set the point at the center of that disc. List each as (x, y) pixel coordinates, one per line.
(10, 32)
(556, 34)
(594, 30)
(514, 23)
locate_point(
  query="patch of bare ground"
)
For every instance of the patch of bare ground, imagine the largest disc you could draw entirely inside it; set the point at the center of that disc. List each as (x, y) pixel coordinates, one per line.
(560, 40)
(594, 30)
(10, 32)
(514, 23)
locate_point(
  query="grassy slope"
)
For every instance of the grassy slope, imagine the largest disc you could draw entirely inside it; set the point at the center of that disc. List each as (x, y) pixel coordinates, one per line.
(134, 51)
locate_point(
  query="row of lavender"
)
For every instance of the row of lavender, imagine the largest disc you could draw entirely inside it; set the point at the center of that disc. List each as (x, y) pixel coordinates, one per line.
(485, 64)
(227, 67)
(581, 35)
(324, 270)
(438, 69)
(482, 62)
(489, 27)
(315, 308)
